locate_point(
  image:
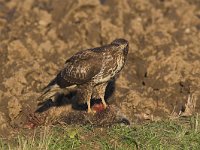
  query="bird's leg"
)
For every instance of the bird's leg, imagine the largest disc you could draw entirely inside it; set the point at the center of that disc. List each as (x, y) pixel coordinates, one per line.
(88, 97)
(104, 102)
(85, 92)
(100, 91)
(89, 106)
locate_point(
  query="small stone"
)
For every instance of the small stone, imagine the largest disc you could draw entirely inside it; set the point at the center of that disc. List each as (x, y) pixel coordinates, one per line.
(187, 30)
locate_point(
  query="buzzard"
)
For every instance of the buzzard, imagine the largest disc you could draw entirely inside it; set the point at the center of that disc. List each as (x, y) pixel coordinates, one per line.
(90, 70)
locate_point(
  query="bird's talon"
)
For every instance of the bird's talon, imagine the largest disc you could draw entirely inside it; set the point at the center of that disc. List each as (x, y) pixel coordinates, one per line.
(93, 112)
(90, 111)
(105, 105)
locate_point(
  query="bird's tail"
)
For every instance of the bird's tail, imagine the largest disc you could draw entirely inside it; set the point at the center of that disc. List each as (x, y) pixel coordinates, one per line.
(52, 89)
(49, 91)
(49, 86)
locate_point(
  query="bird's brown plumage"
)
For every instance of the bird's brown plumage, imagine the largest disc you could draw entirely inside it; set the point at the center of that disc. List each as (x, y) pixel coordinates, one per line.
(91, 69)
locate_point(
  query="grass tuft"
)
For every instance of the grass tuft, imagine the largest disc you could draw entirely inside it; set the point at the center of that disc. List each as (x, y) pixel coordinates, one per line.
(178, 134)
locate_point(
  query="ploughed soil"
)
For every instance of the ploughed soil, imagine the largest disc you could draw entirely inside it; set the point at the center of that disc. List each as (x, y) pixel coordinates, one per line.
(161, 78)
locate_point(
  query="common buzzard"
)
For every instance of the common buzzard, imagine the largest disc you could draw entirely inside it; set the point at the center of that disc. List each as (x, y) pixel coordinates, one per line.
(90, 70)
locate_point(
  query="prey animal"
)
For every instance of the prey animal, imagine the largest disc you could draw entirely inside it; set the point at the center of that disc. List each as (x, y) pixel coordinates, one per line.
(90, 71)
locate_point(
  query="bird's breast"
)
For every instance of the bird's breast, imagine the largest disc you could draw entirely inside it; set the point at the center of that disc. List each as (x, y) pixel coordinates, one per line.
(120, 63)
(110, 67)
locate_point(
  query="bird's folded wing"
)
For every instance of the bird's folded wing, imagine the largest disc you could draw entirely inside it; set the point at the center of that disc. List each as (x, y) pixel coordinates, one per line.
(82, 67)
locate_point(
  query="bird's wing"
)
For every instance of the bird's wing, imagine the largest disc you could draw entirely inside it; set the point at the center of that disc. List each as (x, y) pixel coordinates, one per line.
(80, 68)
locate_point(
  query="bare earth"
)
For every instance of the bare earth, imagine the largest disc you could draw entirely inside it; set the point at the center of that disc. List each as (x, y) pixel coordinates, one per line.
(160, 80)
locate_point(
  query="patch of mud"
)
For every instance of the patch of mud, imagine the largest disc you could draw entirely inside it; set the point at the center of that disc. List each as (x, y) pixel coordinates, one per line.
(160, 79)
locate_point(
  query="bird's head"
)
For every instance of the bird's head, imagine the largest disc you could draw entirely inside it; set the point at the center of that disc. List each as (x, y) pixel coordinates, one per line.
(122, 44)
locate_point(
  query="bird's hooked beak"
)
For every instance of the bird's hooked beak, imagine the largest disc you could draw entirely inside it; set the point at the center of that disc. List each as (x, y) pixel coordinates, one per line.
(125, 50)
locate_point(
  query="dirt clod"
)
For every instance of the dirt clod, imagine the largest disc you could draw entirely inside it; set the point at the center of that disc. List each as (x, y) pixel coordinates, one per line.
(160, 79)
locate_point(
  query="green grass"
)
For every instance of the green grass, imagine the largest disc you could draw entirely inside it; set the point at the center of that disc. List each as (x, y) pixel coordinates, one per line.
(182, 134)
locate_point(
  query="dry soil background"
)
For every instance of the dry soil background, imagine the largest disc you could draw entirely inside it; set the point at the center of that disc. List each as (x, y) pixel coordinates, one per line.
(162, 75)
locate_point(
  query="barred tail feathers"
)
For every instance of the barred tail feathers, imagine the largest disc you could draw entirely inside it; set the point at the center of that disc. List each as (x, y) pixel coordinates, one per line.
(49, 86)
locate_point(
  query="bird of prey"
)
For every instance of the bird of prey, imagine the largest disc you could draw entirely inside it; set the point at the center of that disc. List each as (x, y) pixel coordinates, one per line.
(90, 70)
